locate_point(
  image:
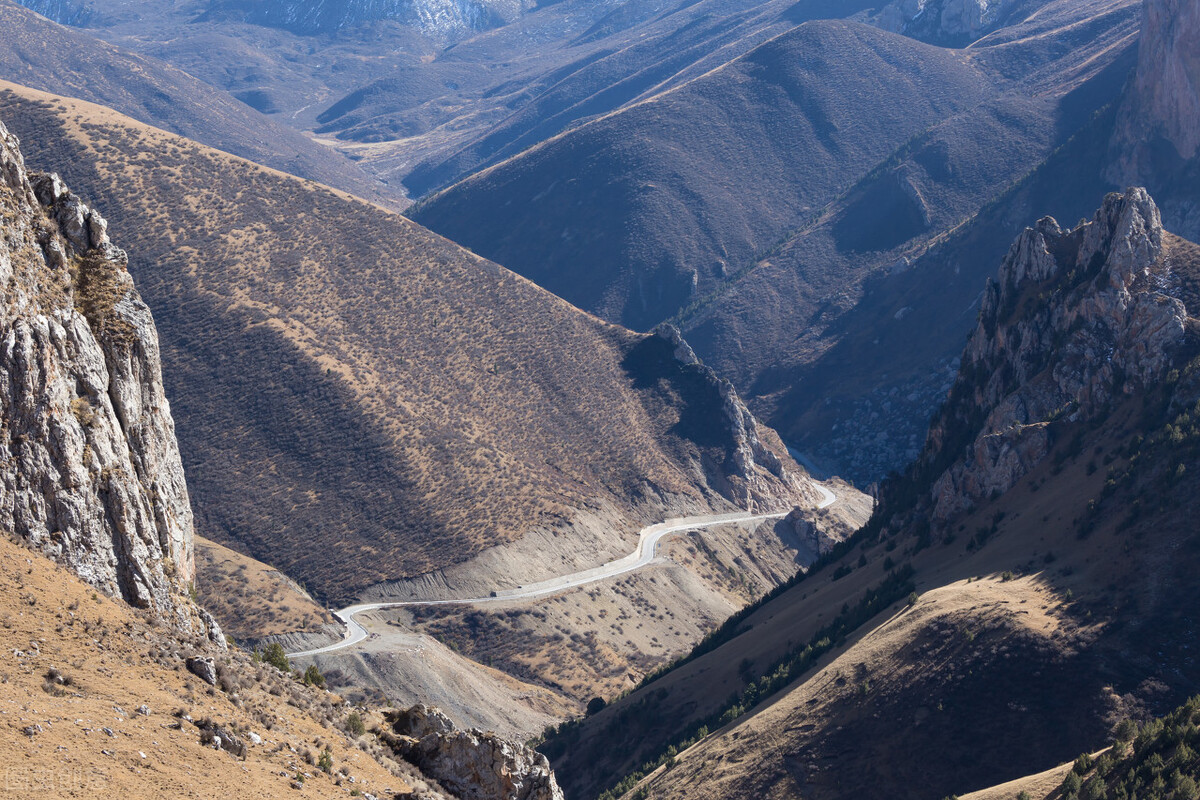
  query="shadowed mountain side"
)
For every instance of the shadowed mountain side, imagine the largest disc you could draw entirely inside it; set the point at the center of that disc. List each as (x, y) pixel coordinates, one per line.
(895, 351)
(760, 239)
(356, 391)
(616, 66)
(43, 55)
(636, 214)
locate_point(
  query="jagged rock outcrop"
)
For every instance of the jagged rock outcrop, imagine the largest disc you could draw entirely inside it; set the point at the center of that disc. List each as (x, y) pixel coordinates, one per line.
(816, 531)
(472, 764)
(90, 472)
(749, 454)
(941, 20)
(444, 18)
(1077, 318)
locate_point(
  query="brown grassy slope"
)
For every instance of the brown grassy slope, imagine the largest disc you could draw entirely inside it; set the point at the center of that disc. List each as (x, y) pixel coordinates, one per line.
(115, 660)
(1099, 539)
(1001, 677)
(38, 53)
(358, 399)
(251, 599)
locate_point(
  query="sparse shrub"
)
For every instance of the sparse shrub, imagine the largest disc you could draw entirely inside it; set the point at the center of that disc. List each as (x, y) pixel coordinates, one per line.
(82, 410)
(274, 655)
(313, 677)
(325, 762)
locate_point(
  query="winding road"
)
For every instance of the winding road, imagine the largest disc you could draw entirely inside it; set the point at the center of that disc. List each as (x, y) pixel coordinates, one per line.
(643, 554)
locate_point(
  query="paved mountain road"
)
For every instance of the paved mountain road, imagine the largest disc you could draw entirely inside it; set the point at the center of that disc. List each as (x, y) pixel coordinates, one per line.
(643, 554)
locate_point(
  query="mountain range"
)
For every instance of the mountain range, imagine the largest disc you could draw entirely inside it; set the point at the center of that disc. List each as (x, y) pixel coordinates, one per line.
(531, 336)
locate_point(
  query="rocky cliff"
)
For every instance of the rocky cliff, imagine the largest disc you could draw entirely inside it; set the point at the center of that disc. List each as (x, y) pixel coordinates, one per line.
(1077, 318)
(1157, 134)
(472, 764)
(90, 472)
(753, 470)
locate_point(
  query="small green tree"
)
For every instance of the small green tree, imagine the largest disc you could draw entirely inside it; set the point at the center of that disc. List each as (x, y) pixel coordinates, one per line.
(1126, 731)
(325, 762)
(1094, 789)
(313, 677)
(273, 654)
(354, 724)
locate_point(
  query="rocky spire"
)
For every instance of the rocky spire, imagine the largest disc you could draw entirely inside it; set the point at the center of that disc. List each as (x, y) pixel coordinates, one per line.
(90, 472)
(1076, 319)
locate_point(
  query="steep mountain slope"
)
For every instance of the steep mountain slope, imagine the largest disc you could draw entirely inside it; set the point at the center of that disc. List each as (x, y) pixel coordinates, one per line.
(1068, 437)
(636, 217)
(43, 55)
(1156, 141)
(351, 407)
(894, 355)
(97, 701)
(700, 186)
(92, 478)
(613, 61)
(656, 205)
(446, 19)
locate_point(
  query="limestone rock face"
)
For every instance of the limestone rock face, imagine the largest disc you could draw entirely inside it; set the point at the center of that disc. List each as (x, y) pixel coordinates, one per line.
(1077, 318)
(90, 472)
(817, 533)
(471, 764)
(1164, 100)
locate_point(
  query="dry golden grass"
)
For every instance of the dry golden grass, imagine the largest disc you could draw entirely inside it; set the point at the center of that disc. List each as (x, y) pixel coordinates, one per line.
(1018, 642)
(356, 398)
(250, 599)
(102, 689)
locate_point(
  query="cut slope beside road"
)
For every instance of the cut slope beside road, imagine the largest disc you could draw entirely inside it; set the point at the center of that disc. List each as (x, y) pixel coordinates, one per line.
(643, 554)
